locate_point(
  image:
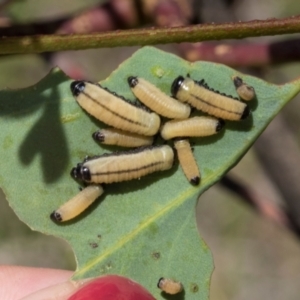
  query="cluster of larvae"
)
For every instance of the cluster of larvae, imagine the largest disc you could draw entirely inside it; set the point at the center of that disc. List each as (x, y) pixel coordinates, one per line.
(134, 125)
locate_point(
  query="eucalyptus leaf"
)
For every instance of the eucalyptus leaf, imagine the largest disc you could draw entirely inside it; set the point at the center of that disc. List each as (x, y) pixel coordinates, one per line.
(143, 229)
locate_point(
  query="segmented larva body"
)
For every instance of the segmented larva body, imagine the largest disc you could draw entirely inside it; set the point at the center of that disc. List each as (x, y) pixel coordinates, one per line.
(200, 96)
(123, 166)
(77, 204)
(113, 136)
(192, 127)
(245, 91)
(114, 110)
(169, 286)
(158, 101)
(187, 160)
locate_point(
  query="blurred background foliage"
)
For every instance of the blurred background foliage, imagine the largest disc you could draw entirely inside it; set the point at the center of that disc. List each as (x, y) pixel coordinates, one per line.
(255, 257)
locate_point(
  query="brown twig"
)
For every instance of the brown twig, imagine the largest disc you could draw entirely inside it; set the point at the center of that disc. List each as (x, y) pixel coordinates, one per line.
(38, 44)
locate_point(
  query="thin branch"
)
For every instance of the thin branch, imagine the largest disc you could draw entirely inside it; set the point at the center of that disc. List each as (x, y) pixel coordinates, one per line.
(197, 33)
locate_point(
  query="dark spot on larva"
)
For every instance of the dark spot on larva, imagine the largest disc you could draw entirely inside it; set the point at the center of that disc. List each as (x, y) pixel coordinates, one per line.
(80, 172)
(220, 125)
(194, 288)
(98, 136)
(159, 281)
(55, 216)
(156, 255)
(246, 113)
(99, 236)
(237, 81)
(176, 85)
(75, 173)
(86, 174)
(94, 245)
(195, 180)
(132, 81)
(77, 87)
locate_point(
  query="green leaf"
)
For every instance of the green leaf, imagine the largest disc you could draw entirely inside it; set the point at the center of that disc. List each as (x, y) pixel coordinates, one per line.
(142, 229)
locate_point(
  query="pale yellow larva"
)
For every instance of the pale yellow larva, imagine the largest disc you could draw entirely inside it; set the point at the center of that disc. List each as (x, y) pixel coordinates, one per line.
(192, 127)
(245, 91)
(123, 166)
(158, 101)
(200, 96)
(187, 160)
(169, 286)
(114, 110)
(77, 204)
(113, 136)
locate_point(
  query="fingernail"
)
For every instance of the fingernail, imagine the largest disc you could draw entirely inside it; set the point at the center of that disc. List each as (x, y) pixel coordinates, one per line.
(61, 291)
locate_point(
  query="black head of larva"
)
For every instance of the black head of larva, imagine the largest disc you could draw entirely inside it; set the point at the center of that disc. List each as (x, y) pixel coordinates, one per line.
(77, 87)
(237, 81)
(132, 81)
(81, 173)
(98, 136)
(85, 174)
(220, 125)
(195, 180)
(75, 172)
(246, 113)
(159, 281)
(176, 85)
(56, 217)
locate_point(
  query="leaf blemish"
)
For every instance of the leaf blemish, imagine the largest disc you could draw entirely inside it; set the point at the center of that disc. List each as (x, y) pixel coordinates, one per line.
(94, 245)
(194, 288)
(155, 255)
(104, 269)
(158, 71)
(69, 117)
(8, 142)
